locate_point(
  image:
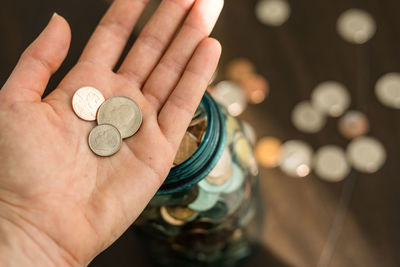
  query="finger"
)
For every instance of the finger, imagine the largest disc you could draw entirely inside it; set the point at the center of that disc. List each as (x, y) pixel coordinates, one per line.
(110, 37)
(154, 40)
(166, 75)
(39, 61)
(178, 111)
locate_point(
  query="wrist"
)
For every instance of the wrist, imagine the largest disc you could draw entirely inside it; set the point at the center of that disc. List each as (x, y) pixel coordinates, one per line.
(22, 244)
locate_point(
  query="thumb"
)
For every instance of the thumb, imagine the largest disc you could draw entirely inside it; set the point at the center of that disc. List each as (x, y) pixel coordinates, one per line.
(39, 61)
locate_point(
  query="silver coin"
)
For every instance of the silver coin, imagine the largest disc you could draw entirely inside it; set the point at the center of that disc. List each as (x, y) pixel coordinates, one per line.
(231, 96)
(213, 188)
(204, 201)
(308, 119)
(224, 165)
(121, 112)
(330, 163)
(387, 89)
(236, 181)
(331, 98)
(272, 12)
(366, 154)
(295, 158)
(105, 140)
(356, 26)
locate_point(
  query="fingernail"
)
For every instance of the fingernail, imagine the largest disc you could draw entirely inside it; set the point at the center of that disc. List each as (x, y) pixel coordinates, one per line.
(55, 15)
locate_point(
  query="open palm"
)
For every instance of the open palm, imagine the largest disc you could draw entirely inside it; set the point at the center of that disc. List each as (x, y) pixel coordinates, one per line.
(54, 192)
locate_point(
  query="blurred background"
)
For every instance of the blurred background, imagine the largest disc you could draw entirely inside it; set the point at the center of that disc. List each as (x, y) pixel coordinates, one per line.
(325, 206)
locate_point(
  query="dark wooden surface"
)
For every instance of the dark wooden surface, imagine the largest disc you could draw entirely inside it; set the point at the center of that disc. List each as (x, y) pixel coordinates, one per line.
(294, 58)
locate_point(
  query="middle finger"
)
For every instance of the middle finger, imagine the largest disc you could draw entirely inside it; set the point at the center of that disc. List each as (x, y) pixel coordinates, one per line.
(154, 40)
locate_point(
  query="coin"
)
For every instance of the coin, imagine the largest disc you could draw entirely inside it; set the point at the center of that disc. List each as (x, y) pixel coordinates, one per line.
(216, 213)
(249, 132)
(331, 98)
(212, 188)
(268, 151)
(255, 87)
(177, 215)
(169, 218)
(239, 68)
(198, 130)
(105, 140)
(387, 89)
(330, 164)
(366, 154)
(236, 181)
(356, 26)
(190, 195)
(86, 101)
(186, 149)
(232, 127)
(353, 124)
(231, 96)
(223, 166)
(244, 152)
(204, 201)
(295, 158)
(181, 212)
(221, 179)
(123, 113)
(272, 12)
(307, 119)
(199, 116)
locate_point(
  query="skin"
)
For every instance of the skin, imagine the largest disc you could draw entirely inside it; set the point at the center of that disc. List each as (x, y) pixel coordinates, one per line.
(59, 203)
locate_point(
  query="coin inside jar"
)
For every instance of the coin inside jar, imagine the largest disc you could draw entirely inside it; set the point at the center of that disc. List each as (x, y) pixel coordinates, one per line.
(86, 101)
(181, 212)
(169, 218)
(353, 124)
(249, 132)
(121, 112)
(186, 149)
(105, 140)
(204, 201)
(198, 130)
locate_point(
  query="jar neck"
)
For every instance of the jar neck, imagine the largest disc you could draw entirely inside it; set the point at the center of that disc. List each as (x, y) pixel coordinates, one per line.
(204, 159)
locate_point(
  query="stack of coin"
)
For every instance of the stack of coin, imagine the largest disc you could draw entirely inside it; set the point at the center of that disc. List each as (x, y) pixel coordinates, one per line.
(118, 118)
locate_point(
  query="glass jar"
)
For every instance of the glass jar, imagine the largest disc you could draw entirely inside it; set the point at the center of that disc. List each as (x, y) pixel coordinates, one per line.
(204, 213)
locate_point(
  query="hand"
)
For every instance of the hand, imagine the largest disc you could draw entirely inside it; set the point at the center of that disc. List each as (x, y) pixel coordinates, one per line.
(59, 203)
